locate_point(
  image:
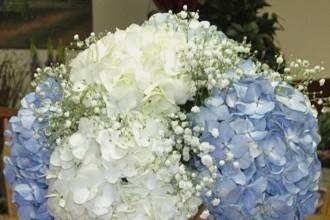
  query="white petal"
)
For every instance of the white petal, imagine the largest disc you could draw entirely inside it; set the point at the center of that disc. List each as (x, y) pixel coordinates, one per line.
(112, 175)
(55, 159)
(80, 195)
(110, 151)
(79, 145)
(65, 155)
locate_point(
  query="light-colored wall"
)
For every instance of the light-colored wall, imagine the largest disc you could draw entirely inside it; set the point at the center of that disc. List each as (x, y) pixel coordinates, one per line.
(306, 23)
(111, 14)
(307, 29)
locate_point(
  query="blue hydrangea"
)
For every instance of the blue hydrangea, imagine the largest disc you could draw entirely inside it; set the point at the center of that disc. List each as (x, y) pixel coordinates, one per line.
(265, 152)
(26, 168)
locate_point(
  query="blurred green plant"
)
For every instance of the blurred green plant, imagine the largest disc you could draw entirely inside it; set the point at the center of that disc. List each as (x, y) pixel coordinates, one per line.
(15, 80)
(324, 127)
(55, 55)
(16, 76)
(324, 146)
(35, 63)
(50, 53)
(60, 53)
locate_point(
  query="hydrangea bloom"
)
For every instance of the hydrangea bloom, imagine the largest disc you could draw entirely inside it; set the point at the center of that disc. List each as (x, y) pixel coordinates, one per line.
(27, 166)
(265, 151)
(117, 172)
(139, 67)
(114, 140)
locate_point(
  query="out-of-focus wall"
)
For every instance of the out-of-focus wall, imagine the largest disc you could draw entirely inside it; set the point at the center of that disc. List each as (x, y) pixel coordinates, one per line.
(306, 23)
(111, 14)
(307, 29)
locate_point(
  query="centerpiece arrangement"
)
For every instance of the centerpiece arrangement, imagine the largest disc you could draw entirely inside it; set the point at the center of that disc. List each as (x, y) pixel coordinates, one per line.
(160, 120)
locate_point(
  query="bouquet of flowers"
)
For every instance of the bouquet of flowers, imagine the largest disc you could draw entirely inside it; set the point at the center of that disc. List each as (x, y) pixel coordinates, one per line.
(160, 120)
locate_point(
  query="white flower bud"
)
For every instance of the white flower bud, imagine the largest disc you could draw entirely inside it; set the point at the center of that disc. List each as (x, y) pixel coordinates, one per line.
(67, 124)
(279, 60)
(215, 132)
(206, 147)
(97, 110)
(215, 202)
(198, 187)
(205, 214)
(195, 109)
(287, 69)
(183, 14)
(236, 164)
(207, 160)
(58, 141)
(229, 155)
(178, 130)
(222, 162)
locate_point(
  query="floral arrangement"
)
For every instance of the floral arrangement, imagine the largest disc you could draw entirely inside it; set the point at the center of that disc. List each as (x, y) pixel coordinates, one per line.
(160, 120)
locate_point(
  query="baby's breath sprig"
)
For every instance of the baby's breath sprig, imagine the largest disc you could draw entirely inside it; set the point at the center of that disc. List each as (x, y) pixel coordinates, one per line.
(208, 58)
(187, 143)
(80, 44)
(66, 114)
(208, 55)
(58, 72)
(301, 74)
(77, 45)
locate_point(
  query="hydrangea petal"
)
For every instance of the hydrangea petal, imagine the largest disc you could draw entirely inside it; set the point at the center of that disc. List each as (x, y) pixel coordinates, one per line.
(267, 148)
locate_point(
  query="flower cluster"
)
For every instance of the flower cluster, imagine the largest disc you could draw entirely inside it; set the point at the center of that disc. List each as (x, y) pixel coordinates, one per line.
(158, 120)
(138, 67)
(263, 139)
(27, 167)
(131, 168)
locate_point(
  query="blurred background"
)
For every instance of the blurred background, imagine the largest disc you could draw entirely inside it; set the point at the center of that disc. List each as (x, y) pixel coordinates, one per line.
(36, 33)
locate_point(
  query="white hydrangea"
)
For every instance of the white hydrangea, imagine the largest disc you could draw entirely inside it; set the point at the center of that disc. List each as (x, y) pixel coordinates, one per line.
(122, 171)
(139, 68)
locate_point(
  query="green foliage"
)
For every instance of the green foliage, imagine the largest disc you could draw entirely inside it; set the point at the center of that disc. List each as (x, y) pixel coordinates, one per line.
(55, 55)
(60, 53)
(50, 52)
(15, 80)
(33, 50)
(324, 126)
(243, 18)
(35, 63)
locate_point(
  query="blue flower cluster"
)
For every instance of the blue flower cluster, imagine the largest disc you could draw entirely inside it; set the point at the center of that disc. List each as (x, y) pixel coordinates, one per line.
(265, 153)
(27, 166)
